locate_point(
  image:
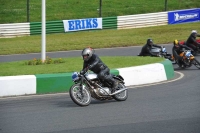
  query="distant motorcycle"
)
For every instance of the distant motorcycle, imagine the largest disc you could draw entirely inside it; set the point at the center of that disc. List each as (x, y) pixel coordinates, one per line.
(162, 52)
(189, 59)
(194, 52)
(88, 86)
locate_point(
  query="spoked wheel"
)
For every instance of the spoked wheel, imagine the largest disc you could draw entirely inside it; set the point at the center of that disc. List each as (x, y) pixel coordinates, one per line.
(196, 63)
(123, 95)
(194, 53)
(81, 99)
(198, 52)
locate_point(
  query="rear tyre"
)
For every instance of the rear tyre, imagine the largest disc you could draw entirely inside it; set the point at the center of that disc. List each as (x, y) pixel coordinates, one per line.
(194, 52)
(83, 99)
(123, 95)
(198, 52)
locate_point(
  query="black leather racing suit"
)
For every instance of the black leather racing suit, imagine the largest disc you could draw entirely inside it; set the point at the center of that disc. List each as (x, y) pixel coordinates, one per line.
(146, 50)
(191, 41)
(97, 66)
(176, 51)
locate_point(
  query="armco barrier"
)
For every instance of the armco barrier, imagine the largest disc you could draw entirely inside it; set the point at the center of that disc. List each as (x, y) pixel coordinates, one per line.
(51, 27)
(15, 29)
(116, 22)
(109, 23)
(142, 20)
(56, 83)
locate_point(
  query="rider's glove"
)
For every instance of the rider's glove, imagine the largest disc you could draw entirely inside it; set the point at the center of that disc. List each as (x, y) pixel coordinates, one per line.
(157, 55)
(162, 48)
(82, 72)
(89, 67)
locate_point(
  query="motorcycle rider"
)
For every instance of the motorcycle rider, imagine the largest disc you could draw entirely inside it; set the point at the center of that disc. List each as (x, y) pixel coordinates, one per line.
(146, 49)
(191, 41)
(177, 49)
(94, 63)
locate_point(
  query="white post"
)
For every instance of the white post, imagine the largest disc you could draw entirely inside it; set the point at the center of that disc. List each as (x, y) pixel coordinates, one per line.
(43, 52)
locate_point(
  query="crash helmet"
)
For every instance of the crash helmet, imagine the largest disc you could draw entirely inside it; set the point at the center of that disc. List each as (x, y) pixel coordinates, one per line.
(149, 41)
(194, 32)
(176, 43)
(87, 53)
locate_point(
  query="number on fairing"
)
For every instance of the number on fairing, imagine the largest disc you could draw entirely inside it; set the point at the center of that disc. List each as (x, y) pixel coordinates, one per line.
(188, 54)
(164, 50)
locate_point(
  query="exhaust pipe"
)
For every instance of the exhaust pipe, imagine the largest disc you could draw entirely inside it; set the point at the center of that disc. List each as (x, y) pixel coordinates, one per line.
(119, 91)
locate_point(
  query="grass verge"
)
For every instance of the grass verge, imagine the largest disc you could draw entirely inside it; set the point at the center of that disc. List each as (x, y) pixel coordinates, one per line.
(97, 39)
(71, 65)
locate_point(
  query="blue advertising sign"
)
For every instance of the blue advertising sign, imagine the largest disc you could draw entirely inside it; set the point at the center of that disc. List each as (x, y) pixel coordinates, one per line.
(184, 16)
(82, 24)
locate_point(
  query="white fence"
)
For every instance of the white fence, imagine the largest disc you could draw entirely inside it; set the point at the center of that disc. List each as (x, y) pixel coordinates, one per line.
(15, 29)
(142, 20)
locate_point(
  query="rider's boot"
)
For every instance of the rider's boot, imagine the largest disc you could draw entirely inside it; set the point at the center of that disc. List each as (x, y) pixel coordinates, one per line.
(114, 85)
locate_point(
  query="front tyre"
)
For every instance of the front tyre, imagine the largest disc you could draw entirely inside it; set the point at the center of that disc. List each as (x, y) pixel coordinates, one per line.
(123, 95)
(194, 52)
(196, 63)
(81, 99)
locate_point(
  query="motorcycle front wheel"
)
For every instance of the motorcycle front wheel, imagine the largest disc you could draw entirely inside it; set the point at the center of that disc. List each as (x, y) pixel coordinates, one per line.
(196, 63)
(81, 99)
(123, 95)
(194, 53)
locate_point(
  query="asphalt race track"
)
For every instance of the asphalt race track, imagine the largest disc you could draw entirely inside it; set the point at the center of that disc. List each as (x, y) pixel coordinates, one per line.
(170, 107)
(123, 51)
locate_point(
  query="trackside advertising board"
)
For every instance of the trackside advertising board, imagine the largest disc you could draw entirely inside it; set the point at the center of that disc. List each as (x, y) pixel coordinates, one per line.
(82, 24)
(184, 16)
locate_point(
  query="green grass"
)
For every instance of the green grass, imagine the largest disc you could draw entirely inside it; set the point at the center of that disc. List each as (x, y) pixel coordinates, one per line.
(74, 9)
(71, 65)
(97, 39)
(13, 11)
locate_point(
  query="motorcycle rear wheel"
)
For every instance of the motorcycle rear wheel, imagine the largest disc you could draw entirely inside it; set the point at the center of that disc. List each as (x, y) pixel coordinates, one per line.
(123, 95)
(83, 99)
(196, 63)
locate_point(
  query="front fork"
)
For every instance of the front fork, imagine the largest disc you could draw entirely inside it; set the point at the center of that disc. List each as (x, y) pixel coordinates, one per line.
(81, 86)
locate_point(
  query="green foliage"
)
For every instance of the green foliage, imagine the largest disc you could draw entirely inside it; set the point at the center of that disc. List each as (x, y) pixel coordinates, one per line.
(74, 9)
(34, 62)
(47, 61)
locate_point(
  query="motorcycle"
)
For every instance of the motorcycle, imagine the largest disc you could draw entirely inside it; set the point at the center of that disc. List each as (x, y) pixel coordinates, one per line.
(162, 52)
(188, 59)
(87, 86)
(194, 52)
